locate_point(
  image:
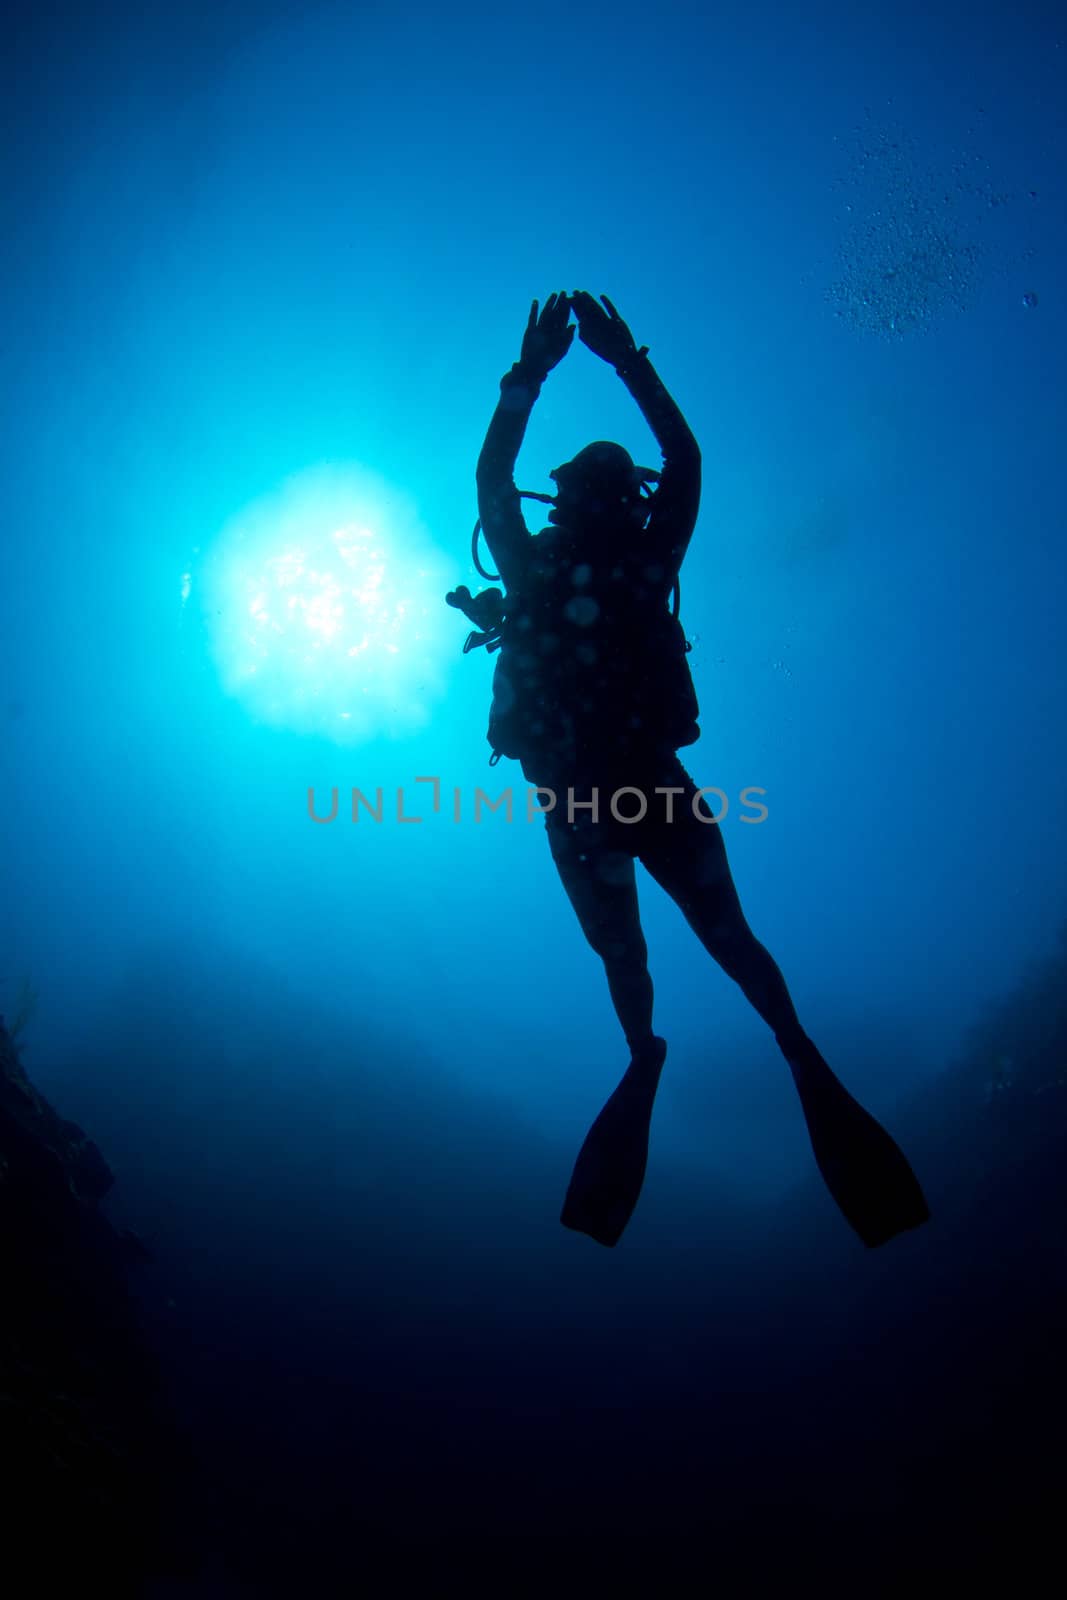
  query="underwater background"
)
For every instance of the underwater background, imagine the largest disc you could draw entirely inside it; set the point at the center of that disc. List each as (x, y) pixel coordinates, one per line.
(264, 268)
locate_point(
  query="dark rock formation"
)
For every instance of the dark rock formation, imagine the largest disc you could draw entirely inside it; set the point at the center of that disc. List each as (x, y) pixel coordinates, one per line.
(85, 1455)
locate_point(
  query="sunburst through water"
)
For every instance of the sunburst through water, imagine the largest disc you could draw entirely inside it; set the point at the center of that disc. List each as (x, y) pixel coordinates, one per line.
(323, 600)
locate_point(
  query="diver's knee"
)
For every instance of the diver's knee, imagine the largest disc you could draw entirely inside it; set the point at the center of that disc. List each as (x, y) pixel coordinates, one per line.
(624, 956)
(731, 941)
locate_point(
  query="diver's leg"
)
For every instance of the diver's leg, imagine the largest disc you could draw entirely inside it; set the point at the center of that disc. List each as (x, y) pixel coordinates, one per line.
(608, 1175)
(601, 885)
(687, 857)
(864, 1169)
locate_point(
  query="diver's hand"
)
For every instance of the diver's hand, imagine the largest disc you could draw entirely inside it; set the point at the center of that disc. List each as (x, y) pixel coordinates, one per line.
(604, 332)
(547, 338)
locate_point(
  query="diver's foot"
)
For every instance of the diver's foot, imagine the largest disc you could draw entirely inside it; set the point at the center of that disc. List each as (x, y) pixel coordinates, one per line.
(864, 1169)
(610, 1169)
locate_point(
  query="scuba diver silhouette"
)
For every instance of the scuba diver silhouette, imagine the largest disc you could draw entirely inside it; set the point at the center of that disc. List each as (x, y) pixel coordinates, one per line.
(592, 694)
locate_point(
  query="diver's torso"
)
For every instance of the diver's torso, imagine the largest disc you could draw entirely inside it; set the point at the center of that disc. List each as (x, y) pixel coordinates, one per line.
(591, 649)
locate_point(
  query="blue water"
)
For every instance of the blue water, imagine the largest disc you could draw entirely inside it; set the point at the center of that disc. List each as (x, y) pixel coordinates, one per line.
(264, 269)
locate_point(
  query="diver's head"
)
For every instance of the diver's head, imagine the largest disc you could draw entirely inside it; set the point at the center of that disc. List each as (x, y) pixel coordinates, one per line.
(599, 489)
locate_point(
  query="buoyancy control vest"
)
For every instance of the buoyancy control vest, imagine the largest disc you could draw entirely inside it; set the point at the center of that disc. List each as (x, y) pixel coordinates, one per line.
(592, 662)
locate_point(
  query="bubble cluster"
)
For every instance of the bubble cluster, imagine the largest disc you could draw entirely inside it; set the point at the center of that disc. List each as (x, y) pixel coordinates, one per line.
(909, 250)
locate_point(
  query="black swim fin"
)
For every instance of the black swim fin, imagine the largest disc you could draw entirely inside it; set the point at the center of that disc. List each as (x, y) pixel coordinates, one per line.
(864, 1169)
(610, 1169)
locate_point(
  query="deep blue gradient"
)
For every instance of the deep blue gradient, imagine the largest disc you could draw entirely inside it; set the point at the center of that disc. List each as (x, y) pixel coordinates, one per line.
(343, 1070)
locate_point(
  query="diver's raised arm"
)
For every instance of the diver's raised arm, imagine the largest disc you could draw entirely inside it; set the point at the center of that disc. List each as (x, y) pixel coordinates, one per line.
(545, 342)
(678, 497)
(606, 334)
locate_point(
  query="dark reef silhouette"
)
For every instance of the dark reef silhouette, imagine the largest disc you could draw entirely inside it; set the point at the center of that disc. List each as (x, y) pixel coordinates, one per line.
(89, 1456)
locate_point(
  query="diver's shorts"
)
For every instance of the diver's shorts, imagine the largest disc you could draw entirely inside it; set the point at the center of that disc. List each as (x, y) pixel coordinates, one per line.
(674, 833)
(627, 808)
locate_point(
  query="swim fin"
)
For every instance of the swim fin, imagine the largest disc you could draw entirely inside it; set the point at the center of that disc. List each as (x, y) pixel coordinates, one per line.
(864, 1169)
(610, 1169)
